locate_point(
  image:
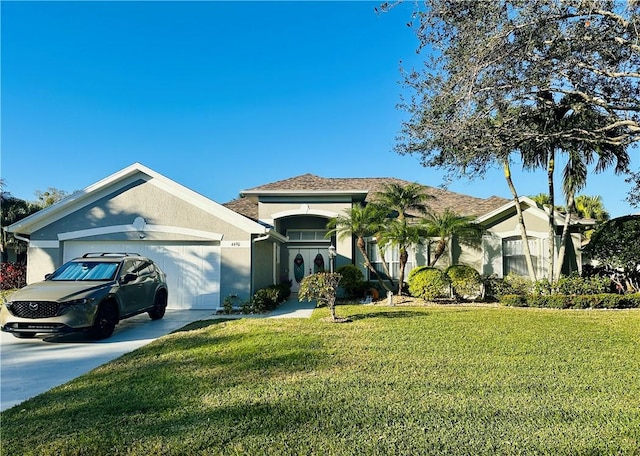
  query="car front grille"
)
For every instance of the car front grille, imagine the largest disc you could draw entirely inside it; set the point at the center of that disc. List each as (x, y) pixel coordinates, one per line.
(35, 309)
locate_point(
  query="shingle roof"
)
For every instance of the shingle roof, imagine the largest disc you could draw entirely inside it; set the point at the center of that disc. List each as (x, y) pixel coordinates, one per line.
(443, 199)
(244, 206)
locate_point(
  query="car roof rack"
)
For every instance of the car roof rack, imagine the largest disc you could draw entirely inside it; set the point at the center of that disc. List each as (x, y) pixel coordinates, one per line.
(105, 254)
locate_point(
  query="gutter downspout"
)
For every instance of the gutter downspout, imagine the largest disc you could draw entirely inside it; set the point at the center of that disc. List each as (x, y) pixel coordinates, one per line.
(21, 238)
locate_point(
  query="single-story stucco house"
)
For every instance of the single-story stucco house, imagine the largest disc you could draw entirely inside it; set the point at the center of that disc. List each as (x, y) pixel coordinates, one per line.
(210, 251)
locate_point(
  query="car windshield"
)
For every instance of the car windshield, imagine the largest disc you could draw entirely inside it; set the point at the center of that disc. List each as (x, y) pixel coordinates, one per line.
(91, 270)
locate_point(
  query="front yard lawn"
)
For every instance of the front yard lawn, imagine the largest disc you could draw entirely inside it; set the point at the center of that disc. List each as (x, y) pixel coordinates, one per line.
(394, 381)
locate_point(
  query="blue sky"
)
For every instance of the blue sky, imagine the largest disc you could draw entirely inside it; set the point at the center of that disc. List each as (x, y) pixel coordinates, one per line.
(218, 96)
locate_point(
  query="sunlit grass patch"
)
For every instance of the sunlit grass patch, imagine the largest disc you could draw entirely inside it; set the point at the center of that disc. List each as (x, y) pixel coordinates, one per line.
(423, 380)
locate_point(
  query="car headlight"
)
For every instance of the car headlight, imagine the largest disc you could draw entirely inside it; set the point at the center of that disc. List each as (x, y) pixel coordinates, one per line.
(78, 302)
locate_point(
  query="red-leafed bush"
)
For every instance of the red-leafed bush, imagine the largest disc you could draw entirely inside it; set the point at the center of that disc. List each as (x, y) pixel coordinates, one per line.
(12, 275)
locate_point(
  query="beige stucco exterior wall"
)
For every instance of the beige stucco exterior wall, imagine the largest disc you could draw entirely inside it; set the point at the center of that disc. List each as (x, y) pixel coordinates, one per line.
(263, 265)
(141, 199)
(41, 261)
(235, 271)
(536, 226)
(267, 210)
(167, 217)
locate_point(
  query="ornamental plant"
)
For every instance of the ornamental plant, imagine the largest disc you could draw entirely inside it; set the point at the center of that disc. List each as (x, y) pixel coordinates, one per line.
(321, 287)
(465, 281)
(352, 281)
(12, 276)
(429, 283)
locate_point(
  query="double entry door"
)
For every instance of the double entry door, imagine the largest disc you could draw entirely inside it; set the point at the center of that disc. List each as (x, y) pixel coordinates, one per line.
(304, 261)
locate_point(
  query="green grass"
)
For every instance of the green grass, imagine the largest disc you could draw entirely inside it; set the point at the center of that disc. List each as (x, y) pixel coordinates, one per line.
(394, 381)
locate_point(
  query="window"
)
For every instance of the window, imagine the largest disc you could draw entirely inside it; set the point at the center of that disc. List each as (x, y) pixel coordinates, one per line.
(392, 257)
(514, 261)
(306, 235)
(90, 270)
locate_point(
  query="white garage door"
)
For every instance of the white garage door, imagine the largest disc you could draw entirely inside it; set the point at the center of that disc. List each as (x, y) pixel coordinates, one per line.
(193, 269)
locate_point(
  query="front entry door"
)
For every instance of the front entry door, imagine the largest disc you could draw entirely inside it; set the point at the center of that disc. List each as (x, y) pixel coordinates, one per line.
(304, 261)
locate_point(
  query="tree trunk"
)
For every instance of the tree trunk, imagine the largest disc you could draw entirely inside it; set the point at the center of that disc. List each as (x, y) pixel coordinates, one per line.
(565, 235)
(552, 222)
(332, 308)
(523, 229)
(384, 263)
(404, 256)
(361, 246)
(440, 246)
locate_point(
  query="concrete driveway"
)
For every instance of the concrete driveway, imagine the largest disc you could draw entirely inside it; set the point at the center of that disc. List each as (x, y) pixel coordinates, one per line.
(29, 367)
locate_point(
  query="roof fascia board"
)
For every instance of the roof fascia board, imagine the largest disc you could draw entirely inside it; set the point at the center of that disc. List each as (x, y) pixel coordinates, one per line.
(540, 213)
(259, 193)
(70, 204)
(208, 205)
(119, 180)
(73, 235)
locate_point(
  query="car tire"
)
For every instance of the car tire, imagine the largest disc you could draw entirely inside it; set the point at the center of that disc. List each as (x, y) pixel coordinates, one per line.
(24, 335)
(105, 322)
(159, 307)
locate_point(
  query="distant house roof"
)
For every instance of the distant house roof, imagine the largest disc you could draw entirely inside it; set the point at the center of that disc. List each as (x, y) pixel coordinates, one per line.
(462, 204)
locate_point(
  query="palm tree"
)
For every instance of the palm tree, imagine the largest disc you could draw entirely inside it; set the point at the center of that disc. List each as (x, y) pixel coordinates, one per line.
(403, 198)
(448, 224)
(359, 222)
(582, 152)
(12, 209)
(396, 200)
(591, 207)
(580, 130)
(378, 226)
(403, 235)
(520, 217)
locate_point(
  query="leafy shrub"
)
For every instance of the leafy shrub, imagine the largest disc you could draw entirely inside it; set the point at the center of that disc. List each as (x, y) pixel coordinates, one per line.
(518, 284)
(542, 287)
(513, 300)
(465, 281)
(576, 285)
(429, 283)
(267, 299)
(352, 280)
(633, 300)
(12, 276)
(497, 287)
(227, 304)
(615, 246)
(321, 287)
(553, 301)
(560, 301)
(246, 307)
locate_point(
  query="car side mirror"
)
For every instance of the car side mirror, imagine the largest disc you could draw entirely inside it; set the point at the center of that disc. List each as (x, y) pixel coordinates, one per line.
(128, 278)
(46, 276)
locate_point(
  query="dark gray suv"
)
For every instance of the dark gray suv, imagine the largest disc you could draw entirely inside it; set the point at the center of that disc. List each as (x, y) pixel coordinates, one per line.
(92, 293)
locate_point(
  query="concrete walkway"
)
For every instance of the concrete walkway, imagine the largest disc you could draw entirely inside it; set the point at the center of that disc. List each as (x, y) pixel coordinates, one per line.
(29, 367)
(293, 308)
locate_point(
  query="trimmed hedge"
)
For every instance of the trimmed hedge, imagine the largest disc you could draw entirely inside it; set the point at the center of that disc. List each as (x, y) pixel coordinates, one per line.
(465, 281)
(559, 301)
(429, 283)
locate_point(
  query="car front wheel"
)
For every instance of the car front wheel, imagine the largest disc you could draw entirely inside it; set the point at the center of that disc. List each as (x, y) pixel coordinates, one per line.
(159, 307)
(106, 321)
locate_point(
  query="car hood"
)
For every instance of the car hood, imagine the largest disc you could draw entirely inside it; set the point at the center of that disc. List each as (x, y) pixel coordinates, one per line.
(57, 291)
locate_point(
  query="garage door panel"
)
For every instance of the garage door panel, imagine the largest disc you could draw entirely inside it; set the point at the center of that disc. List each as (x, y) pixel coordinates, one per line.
(193, 269)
